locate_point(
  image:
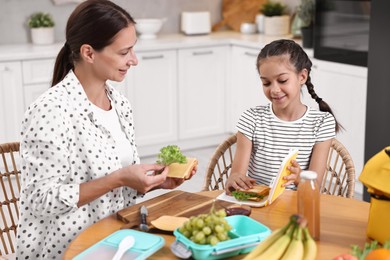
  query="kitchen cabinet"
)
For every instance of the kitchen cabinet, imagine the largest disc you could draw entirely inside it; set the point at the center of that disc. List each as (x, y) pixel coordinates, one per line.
(152, 91)
(201, 85)
(11, 100)
(344, 88)
(245, 87)
(37, 76)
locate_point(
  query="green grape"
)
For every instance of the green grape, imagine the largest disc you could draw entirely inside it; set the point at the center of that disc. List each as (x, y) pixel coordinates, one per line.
(214, 240)
(199, 236)
(203, 241)
(186, 233)
(182, 229)
(188, 225)
(222, 236)
(200, 223)
(206, 230)
(219, 229)
(221, 213)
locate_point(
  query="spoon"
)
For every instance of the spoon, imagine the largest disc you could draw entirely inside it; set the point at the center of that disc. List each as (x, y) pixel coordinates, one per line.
(126, 243)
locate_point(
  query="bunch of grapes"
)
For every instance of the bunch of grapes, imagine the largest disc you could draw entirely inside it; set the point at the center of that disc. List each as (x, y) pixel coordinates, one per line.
(208, 228)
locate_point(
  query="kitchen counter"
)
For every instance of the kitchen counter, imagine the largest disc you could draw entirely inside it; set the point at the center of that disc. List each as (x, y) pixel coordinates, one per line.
(163, 41)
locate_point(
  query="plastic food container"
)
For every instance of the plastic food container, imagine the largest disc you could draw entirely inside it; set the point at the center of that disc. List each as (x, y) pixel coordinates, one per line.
(145, 245)
(246, 233)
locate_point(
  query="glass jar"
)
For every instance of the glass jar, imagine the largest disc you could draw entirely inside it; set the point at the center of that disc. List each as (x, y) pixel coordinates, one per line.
(309, 201)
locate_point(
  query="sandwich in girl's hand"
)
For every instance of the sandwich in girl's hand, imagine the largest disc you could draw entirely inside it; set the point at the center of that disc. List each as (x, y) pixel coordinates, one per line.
(179, 165)
(257, 193)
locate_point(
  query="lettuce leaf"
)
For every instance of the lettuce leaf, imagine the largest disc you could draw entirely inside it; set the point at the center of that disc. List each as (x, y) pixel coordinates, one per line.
(170, 154)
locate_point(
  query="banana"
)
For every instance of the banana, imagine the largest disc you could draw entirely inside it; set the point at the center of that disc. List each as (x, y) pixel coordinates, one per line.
(277, 249)
(295, 249)
(267, 242)
(309, 245)
(260, 248)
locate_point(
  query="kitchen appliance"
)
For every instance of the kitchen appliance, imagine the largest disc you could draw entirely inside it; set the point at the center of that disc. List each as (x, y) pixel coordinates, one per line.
(193, 23)
(378, 89)
(341, 31)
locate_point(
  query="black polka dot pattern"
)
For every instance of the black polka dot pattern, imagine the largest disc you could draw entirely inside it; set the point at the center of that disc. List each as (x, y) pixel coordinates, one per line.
(62, 147)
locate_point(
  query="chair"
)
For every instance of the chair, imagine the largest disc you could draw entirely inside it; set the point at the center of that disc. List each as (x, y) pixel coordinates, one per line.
(339, 176)
(220, 165)
(10, 185)
(338, 179)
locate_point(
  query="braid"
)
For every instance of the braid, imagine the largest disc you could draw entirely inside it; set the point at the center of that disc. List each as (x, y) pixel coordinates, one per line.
(323, 106)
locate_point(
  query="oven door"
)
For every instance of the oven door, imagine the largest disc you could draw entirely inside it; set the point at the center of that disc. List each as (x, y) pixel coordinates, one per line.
(341, 31)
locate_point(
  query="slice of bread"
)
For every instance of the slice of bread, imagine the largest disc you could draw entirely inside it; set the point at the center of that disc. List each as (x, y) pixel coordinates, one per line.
(182, 170)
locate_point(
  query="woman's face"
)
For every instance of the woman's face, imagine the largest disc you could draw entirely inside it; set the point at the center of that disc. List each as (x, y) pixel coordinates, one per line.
(281, 83)
(115, 59)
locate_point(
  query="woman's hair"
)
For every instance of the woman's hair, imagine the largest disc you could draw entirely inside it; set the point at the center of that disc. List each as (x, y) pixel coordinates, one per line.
(299, 59)
(93, 22)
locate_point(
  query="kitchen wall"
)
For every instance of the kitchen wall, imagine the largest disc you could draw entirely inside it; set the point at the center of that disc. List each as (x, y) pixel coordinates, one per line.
(14, 14)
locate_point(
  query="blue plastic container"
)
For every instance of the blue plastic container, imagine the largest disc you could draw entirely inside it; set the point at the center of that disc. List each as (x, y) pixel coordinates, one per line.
(145, 245)
(246, 233)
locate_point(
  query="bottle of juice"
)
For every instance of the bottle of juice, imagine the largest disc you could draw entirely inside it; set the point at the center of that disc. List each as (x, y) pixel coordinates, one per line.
(309, 201)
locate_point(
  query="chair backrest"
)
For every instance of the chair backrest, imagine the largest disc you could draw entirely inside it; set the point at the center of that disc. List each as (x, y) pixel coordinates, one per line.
(10, 186)
(339, 176)
(220, 165)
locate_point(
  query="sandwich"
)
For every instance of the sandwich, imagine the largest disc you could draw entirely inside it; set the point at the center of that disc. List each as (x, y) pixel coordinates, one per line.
(182, 170)
(257, 193)
(179, 165)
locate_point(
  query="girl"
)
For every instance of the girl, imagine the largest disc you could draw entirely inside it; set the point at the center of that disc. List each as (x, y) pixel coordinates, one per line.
(267, 133)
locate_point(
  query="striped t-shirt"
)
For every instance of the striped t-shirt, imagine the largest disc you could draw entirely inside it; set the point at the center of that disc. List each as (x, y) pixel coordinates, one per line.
(272, 138)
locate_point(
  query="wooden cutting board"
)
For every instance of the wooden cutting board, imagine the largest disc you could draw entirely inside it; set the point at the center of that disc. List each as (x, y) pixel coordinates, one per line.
(174, 203)
(235, 12)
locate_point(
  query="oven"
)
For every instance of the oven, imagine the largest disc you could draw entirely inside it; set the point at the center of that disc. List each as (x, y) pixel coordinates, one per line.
(341, 31)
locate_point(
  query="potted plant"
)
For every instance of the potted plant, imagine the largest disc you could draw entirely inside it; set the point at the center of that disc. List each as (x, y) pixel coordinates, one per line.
(305, 13)
(42, 28)
(276, 22)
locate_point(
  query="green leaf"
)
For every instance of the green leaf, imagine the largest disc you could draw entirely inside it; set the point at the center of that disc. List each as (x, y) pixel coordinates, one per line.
(170, 154)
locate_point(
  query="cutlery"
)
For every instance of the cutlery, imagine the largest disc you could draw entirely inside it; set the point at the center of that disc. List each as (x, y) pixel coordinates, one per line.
(144, 213)
(126, 243)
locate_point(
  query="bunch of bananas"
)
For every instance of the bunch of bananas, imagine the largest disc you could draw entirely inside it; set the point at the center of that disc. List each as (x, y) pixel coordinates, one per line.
(292, 241)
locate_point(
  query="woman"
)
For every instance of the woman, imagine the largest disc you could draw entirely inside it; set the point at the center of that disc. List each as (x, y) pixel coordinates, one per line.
(267, 133)
(78, 155)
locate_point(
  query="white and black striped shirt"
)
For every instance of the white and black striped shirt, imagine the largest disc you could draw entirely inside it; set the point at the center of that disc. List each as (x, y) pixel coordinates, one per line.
(272, 138)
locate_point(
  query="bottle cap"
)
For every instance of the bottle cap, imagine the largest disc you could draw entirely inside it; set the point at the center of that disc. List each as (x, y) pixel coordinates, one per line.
(308, 175)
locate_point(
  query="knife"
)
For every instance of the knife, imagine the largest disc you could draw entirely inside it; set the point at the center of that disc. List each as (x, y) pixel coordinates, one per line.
(144, 213)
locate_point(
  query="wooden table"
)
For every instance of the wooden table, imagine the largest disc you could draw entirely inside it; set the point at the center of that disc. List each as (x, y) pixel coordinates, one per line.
(343, 223)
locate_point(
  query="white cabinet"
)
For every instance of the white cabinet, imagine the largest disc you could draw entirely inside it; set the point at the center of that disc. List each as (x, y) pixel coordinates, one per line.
(245, 87)
(152, 91)
(344, 88)
(37, 76)
(11, 101)
(202, 91)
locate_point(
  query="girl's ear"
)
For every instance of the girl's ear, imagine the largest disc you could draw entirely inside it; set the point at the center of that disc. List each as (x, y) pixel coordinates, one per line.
(303, 76)
(87, 53)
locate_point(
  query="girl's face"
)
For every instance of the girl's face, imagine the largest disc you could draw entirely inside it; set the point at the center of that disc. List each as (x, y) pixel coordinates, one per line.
(281, 83)
(115, 59)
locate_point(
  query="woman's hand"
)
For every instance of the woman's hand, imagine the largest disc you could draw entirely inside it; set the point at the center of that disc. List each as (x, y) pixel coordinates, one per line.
(293, 177)
(171, 183)
(238, 181)
(142, 177)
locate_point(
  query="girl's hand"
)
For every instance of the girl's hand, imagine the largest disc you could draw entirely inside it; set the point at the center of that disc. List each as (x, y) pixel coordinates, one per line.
(238, 181)
(293, 177)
